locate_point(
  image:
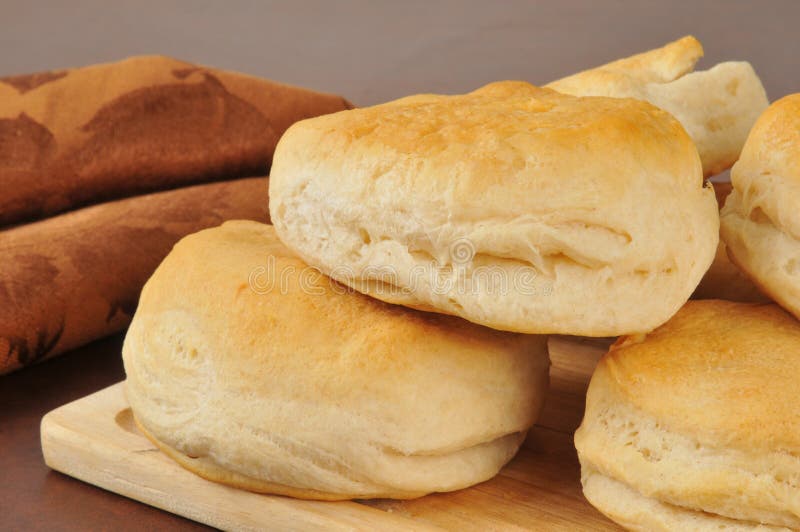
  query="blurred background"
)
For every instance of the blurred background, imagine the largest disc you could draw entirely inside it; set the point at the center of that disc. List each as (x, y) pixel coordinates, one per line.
(372, 51)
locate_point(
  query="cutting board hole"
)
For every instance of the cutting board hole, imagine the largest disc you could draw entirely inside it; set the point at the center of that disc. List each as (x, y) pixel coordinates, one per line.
(124, 419)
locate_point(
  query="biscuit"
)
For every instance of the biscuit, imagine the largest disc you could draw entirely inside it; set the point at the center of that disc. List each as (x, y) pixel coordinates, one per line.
(251, 369)
(696, 426)
(512, 206)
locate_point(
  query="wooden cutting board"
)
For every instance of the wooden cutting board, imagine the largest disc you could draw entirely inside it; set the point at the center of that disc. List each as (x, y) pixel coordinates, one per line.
(94, 439)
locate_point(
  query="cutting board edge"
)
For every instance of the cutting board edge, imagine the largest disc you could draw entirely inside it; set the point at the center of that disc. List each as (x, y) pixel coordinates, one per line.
(296, 514)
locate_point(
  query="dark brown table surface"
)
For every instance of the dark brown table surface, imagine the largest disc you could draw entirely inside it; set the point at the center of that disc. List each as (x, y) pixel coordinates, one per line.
(32, 497)
(365, 50)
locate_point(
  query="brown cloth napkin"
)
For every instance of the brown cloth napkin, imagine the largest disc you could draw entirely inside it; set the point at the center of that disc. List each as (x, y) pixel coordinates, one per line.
(139, 127)
(70, 138)
(71, 279)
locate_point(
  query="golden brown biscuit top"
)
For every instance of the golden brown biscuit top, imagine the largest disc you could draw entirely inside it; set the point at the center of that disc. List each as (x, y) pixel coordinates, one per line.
(506, 149)
(767, 176)
(725, 373)
(655, 66)
(773, 146)
(258, 314)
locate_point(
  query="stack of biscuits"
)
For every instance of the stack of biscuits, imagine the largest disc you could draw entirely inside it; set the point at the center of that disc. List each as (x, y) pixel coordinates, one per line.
(386, 337)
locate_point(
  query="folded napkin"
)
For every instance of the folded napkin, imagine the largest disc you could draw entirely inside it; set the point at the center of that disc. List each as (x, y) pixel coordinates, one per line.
(73, 278)
(70, 138)
(102, 171)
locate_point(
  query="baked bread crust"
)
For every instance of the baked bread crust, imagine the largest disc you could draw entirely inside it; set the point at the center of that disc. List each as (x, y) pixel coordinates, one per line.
(760, 222)
(701, 415)
(251, 369)
(725, 280)
(592, 211)
(716, 106)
